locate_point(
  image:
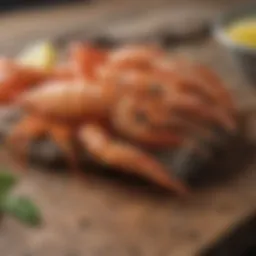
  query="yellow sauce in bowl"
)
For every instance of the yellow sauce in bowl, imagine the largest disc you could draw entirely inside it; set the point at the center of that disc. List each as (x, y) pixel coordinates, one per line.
(243, 32)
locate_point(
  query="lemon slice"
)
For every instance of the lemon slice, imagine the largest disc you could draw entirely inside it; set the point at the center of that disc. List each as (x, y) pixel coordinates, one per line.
(42, 55)
(244, 32)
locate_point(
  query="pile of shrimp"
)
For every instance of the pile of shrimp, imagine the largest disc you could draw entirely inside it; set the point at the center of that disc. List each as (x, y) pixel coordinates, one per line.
(117, 104)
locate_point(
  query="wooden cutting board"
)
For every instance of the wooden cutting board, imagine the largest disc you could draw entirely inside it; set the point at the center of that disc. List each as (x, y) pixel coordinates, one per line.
(104, 216)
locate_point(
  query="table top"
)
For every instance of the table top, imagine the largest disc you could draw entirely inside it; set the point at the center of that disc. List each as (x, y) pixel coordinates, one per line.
(106, 217)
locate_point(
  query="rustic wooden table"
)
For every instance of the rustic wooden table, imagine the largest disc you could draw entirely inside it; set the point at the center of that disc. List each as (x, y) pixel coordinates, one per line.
(105, 217)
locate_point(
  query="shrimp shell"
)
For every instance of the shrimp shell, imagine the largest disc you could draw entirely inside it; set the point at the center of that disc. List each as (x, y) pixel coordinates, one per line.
(70, 101)
(127, 158)
(86, 60)
(15, 79)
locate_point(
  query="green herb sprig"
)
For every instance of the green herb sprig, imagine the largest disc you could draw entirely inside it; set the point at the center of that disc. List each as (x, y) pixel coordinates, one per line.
(19, 207)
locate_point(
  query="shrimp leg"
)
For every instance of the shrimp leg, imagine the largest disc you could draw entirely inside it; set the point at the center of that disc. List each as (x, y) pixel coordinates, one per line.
(204, 81)
(19, 139)
(32, 128)
(62, 136)
(193, 107)
(100, 145)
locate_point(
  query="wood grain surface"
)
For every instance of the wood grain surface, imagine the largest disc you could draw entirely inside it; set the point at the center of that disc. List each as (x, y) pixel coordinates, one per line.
(110, 217)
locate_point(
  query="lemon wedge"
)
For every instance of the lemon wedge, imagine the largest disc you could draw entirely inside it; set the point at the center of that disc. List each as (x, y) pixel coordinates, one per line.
(42, 55)
(244, 32)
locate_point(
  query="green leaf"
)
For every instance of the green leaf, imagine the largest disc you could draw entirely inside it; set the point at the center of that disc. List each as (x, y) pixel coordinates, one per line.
(7, 182)
(22, 208)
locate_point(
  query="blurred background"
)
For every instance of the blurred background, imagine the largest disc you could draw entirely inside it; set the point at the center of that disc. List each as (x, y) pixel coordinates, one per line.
(109, 219)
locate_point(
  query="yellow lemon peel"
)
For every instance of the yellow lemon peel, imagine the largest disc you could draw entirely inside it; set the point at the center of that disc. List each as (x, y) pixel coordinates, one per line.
(244, 32)
(42, 55)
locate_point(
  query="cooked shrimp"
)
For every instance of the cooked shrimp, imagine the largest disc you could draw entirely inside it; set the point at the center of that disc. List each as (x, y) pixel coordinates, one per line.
(132, 92)
(160, 127)
(197, 79)
(86, 60)
(129, 60)
(126, 157)
(15, 79)
(70, 101)
(133, 120)
(154, 111)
